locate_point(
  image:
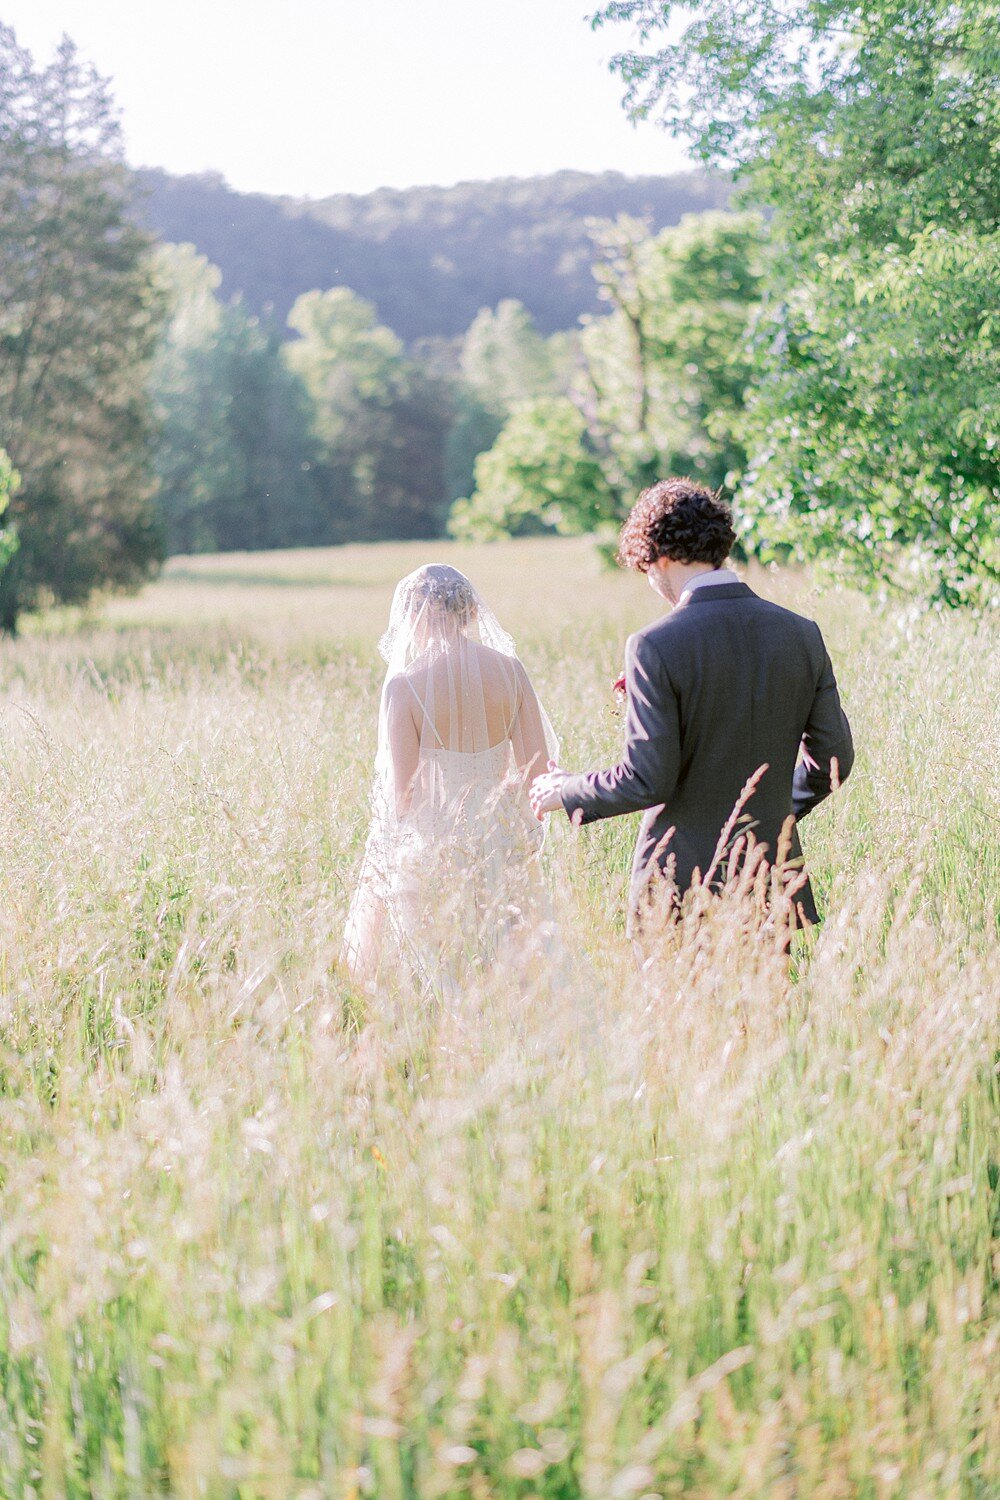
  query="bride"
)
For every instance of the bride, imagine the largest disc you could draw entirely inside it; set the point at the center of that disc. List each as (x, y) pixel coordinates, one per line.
(450, 859)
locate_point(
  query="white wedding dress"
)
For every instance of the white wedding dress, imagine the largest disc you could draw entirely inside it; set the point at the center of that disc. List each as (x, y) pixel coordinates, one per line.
(451, 861)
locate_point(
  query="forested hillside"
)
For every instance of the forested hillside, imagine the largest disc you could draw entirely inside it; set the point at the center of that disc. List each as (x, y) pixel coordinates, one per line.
(428, 257)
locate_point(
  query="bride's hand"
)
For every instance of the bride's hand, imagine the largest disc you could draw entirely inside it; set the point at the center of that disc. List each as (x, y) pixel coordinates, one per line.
(546, 791)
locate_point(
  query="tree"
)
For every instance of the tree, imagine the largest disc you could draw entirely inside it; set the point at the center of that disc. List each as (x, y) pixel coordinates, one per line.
(275, 496)
(382, 420)
(503, 361)
(474, 430)
(190, 401)
(538, 476)
(661, 380)
(871, 131)
(78, 320)
(346, 357)
(878, 422)
(655, 386)
(504, 358)
(866, 121)
(235, 454)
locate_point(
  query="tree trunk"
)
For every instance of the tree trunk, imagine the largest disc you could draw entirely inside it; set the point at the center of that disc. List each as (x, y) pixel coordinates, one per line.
(10, 605)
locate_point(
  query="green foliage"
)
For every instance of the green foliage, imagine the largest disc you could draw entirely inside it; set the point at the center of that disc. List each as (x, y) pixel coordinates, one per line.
(878, 425)
(381, 418)
(504, 358)
(235, 454)
(475, 429)
(872, 133)
(190, 402)
(333, 437)
(656, 386)
(10, 482)
(503, 361)
(78, 320)
(663, 376)
(538, 476)
(869, 121)
(345, 357)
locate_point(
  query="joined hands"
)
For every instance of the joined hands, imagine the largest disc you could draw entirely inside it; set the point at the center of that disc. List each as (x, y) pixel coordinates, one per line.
(546, 791)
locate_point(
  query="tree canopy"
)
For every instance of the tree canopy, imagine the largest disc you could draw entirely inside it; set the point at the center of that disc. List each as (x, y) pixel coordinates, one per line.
(382, 419)
(656, 385)
(235, 451)
(78, 320)
(872, 135)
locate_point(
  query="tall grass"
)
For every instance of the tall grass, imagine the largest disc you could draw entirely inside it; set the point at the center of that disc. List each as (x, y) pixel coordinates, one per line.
(717, 1227)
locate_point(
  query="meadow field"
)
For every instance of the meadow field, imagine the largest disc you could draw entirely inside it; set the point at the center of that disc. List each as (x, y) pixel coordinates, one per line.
(719, 1227)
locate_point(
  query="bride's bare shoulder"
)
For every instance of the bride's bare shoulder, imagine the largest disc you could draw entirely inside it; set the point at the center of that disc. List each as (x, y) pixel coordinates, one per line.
(399, 690)
(500, 659)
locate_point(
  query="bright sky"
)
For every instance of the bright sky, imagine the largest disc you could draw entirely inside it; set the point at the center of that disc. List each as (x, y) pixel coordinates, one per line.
(311, 97)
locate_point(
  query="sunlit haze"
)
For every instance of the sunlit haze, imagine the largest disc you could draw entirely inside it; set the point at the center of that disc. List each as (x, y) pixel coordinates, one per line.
(313, 97)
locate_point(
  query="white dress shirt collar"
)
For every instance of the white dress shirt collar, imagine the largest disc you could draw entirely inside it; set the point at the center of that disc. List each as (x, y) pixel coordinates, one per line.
(706, 580)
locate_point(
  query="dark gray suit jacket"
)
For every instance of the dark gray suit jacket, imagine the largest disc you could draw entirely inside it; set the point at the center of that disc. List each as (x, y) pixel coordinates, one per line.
(723, 685)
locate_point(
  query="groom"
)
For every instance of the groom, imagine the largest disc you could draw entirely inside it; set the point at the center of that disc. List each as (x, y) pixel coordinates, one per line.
(723, 688)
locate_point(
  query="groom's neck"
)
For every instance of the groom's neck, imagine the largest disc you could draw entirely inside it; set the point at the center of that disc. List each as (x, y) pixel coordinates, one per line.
(689, 572)
(674, 577)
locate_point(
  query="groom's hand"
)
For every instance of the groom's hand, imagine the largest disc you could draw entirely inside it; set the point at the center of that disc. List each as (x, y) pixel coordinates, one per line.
(546, 791)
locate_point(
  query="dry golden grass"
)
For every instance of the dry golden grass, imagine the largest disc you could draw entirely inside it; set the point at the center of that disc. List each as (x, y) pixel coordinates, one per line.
(713, 1229)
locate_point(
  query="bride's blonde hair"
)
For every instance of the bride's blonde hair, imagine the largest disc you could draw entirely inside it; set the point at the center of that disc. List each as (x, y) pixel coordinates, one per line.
(441, 587)
(437, 603)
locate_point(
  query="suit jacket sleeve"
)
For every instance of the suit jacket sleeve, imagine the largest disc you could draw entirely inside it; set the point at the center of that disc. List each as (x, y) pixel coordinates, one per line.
(826, 738)
(647, 773)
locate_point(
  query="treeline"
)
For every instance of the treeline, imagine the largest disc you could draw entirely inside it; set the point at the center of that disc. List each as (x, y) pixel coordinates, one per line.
(342, 434)
(657, 385)
(337, 436)
(428, 257)
(835, 365)
(833, 362)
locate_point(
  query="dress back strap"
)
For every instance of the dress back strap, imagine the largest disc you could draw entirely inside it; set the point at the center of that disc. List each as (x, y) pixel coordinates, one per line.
(425, 715)
(516, 701)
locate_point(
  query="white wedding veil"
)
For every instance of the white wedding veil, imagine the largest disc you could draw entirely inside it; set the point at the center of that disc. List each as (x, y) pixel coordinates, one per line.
(457, 711)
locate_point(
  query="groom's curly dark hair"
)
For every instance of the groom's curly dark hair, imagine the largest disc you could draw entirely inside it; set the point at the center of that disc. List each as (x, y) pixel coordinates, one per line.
(680, 519)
